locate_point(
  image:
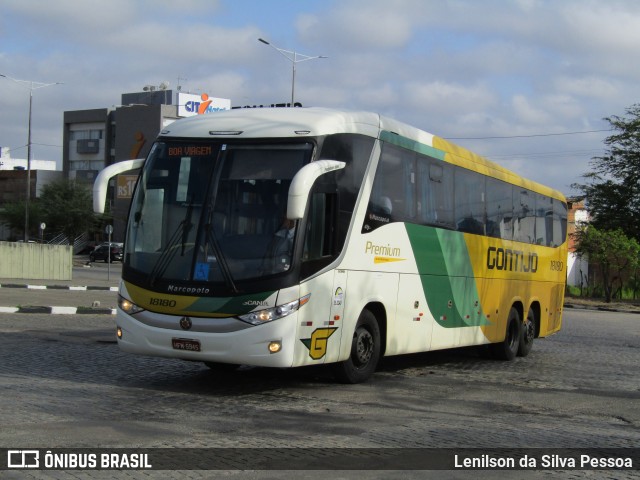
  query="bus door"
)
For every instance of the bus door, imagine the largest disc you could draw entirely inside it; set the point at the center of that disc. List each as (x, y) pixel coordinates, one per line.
(336, 319)
(322, 320)
(412, 329)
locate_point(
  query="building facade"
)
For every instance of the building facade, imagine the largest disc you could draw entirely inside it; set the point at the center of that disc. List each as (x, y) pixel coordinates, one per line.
(577, 268)
(7, 162)
(94, 139)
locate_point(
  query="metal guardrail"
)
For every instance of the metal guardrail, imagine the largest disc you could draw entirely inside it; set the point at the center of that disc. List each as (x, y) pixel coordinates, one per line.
(79, 243)
(60, 239)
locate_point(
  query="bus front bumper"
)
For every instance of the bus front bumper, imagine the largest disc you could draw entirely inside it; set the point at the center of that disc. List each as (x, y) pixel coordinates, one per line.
(249, 346)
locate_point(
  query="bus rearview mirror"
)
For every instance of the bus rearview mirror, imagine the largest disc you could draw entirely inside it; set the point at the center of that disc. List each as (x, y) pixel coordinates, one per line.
(302, 183)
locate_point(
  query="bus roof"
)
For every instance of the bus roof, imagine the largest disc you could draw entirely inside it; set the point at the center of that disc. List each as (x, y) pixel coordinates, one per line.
(274, 123)
(300, 122)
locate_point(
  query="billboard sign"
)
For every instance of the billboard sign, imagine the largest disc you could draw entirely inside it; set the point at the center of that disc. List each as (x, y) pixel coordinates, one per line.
(190, 105)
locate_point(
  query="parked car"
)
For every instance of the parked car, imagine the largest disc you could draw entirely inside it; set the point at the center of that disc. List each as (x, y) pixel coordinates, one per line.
(101, 252)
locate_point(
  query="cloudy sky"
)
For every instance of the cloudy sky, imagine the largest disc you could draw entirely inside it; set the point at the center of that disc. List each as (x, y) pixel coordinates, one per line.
(524, 82)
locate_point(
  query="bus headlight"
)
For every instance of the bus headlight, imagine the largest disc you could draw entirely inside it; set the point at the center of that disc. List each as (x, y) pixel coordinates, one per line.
(127, 306)
(270, 314)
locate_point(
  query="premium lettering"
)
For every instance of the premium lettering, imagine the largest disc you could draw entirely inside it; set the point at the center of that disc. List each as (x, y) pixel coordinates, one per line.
(372, 248)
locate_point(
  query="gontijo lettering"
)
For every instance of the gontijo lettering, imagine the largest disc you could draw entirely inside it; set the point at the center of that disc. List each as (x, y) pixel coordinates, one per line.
(511, 260)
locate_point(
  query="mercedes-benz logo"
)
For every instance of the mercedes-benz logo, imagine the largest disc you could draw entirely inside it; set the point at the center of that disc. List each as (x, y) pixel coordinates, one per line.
(185, 323)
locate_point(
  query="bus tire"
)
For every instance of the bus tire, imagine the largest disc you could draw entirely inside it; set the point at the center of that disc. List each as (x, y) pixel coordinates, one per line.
(508, 348)
(365, 351)
(528, 334)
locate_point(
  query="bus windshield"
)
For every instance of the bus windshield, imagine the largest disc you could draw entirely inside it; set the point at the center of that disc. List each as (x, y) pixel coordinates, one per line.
(213, 212)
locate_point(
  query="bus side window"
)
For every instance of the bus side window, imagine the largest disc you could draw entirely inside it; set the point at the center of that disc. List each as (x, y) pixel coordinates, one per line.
(393, 197)
(559, 222)
(543, 204)
(320, 236)
(469, 202)
(499, 209)
(436, 192)
(524, 216)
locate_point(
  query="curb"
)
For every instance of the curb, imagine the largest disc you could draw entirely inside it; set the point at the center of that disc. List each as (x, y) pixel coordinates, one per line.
(573, 306)
(59, 310)
(58, 287)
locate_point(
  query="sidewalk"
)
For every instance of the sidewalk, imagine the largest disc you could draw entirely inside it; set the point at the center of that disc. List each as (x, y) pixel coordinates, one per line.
(591, 304)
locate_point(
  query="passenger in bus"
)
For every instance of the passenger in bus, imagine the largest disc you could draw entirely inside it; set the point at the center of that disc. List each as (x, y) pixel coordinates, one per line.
(280, 249)
(381, 209)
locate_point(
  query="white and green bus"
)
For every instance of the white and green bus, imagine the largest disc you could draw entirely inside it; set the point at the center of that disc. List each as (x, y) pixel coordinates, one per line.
(284, 237)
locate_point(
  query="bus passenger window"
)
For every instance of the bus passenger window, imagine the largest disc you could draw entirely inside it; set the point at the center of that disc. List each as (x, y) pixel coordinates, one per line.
(524, 219)
(559, 222)
(436, 192)
(393, 193)
(499, 209)
(544, 227)
(469, 201)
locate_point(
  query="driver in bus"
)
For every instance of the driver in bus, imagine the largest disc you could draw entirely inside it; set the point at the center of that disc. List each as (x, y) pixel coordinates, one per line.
(281, 247)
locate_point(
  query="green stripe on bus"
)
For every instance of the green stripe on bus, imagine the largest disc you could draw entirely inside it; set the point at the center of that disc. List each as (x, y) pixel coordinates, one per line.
(230, 305)
(447, 277)
(412, 145)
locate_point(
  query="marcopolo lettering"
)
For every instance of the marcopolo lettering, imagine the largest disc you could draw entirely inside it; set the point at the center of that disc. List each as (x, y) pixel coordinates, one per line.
(511, 260)
(188, 290)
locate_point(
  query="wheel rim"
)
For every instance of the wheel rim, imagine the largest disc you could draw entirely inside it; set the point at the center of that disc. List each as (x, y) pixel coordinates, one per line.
(363, 346)
(528, 331)
(513, 335)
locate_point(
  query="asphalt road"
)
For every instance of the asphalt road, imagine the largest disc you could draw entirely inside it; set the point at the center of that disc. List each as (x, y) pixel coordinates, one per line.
(64, 383)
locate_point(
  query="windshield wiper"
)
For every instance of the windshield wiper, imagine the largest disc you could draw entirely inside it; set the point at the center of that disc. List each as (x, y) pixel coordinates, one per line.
(222, 261)
(166, 257)
(187, 225)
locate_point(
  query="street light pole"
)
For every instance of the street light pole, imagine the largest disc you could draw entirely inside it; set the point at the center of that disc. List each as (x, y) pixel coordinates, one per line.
(292, 56)
(32, 86)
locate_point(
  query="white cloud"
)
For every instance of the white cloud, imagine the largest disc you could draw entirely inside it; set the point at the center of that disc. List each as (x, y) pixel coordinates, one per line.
(458, 68)
(375, 24)
(527, 113)
(593, 86)
(447, 97)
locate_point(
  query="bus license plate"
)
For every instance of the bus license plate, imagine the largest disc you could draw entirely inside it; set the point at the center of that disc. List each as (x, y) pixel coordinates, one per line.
(185, 344)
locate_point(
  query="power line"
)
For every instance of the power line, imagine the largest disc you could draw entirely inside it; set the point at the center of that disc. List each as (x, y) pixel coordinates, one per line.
(527, 136)
(22, 147)
(46, 145)
(557, 154)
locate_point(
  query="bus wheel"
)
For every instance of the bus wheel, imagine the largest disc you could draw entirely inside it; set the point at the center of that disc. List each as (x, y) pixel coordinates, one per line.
(528, 334)
(508, 348)
(365, 351)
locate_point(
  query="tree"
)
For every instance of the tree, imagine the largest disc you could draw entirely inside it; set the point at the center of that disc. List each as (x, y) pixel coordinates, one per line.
(12, 214)
(66, 208)
(614, 255)
(613, 188)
